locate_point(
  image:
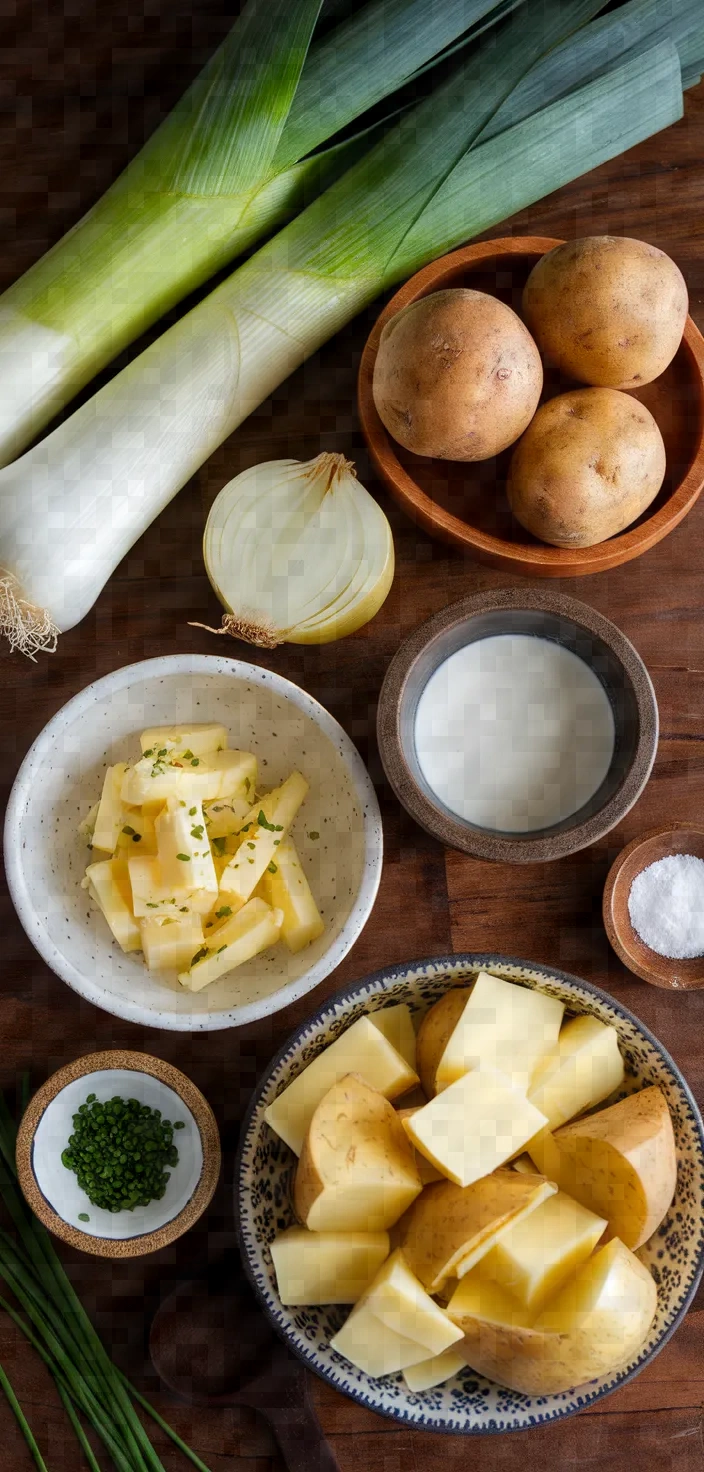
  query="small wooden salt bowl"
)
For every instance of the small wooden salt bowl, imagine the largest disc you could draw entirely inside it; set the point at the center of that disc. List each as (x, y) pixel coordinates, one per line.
(658, 843)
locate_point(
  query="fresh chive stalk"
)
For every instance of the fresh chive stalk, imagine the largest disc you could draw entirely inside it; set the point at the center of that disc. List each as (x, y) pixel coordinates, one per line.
(229, 164)
(61, 1332)
(22, 1421)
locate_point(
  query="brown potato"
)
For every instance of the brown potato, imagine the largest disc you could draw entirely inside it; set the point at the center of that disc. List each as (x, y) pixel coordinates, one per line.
(437, 1026)
(457, 375)
(587, 466)
(356, 1171)
(620, 1163)
(450, 1227)
(607, 310)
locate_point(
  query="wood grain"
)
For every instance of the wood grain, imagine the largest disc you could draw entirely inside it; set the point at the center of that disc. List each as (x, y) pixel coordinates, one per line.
(81, 86)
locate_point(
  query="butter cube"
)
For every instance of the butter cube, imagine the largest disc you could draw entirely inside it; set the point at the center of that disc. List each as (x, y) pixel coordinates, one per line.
(253, 929)
(474, 1125)
(111, 810)
(262, 835)
(361, 1049)
(504, 1027)
(326, 1267)
(170, 943)
(197, 739)
(184, 852)
(286, 888)
(109, 887)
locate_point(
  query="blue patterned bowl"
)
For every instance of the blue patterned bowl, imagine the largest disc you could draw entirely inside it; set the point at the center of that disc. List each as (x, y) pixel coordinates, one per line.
(468, 1403)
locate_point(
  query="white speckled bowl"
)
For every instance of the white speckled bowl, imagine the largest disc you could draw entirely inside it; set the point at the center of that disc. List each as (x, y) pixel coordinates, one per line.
(61, 777)
(468, 1403)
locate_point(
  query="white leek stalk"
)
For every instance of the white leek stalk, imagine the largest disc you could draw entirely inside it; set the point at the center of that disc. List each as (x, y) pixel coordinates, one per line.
(73, 506)
(298, 554)
(229, 164)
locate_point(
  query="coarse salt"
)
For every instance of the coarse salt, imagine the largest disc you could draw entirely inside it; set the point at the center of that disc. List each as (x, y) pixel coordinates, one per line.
(666, 906)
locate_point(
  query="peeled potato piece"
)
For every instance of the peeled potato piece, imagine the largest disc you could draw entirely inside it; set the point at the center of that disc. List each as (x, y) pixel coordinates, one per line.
(360, 1049)
(326, 1267)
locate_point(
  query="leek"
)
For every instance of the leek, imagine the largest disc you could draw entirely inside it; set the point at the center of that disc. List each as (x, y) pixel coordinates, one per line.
(229, 163)
(73, 506)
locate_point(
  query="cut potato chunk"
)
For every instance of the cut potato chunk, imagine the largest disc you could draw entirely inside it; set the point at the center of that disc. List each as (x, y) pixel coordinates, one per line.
(169, 942)
(261, 840)
(108, 884)
(184, 852)
(434, 1033)
(152, 897)
(222, 774)
(524, 1164)
(596, 1324)
(287, 889)
(224, 816)
(620, 1163)
(111, 810)
(361, 1049)
(503, 1026)
(451, 1225)
(535, 1256)
(474, 1125)
(479, 1299)
(434, 1371)
(326, 1267)
(372, 1346)
(426, 1170)
(378, 1336)
(400, 1301)
(584, 1067)
(196, 740)
(356, 1171)
(252, 930)
(137, 835)
(397, 1025)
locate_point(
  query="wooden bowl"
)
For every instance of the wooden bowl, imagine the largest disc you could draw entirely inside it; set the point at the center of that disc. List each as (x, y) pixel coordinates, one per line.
(658, 843)
(52, 1190)
(549, 615)
(465, 503)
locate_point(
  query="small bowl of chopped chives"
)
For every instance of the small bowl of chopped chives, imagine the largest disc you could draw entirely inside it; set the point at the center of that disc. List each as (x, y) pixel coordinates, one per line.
(118, 1154)
(653, 907)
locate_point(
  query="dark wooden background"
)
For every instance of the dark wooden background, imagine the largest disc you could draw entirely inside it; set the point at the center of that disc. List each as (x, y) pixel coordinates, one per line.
(81, 86)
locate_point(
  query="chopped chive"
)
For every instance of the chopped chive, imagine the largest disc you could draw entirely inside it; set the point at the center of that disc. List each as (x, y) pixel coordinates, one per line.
(185, 858)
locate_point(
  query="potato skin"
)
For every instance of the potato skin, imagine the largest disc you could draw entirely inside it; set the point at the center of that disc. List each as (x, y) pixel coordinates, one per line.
(589, 463)
(457, 376)
(436, 1028)
(607, 310)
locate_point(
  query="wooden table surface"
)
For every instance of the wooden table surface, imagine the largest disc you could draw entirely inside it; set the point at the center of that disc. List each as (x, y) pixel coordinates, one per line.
(80, 90)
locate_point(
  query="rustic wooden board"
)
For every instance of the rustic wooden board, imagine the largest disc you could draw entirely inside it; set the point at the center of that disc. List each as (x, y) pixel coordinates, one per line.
(81, 90)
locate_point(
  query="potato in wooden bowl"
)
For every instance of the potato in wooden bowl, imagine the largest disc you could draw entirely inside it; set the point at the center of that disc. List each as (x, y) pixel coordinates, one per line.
(587, 466)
